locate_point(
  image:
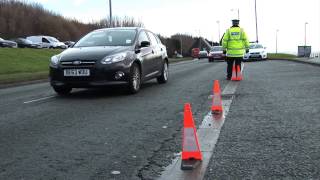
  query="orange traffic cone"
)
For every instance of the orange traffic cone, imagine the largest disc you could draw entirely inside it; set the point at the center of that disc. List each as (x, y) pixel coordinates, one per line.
(234, 73)
(239, 74)
(216, 101)
(191, 154)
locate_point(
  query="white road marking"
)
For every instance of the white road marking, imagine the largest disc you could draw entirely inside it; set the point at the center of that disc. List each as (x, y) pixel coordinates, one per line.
(40, 99)
(208, 135)
(184, 62)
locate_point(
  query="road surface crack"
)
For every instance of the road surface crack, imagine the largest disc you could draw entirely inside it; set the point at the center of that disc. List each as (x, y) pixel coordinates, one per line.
(160, 158)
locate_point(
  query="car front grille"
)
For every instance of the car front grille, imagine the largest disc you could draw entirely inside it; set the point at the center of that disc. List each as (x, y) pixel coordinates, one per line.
(78, 63)
(255, 53)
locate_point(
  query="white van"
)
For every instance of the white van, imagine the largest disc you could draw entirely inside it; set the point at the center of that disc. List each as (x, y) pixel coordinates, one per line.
(47, 42)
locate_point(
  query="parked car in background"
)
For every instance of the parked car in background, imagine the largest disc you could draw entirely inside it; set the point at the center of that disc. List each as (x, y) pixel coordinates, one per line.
(203, 54)
(69, 43)
(195, 52)
(256, 52)
(216, 53)
(6, 43)
(24, 43)
(47, 42)
(115, 56)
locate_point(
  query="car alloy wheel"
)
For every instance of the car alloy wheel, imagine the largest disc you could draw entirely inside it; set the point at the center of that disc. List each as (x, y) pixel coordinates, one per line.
(165, 71)
(135, 79)
(163, 78)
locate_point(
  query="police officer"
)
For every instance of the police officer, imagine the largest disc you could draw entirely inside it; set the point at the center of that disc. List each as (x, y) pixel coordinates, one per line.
(235, 44)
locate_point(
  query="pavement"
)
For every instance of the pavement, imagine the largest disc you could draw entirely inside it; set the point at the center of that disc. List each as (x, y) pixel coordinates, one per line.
(313, 61)
(271, 130)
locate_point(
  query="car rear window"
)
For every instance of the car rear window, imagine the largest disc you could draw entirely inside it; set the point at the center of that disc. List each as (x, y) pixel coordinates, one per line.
(255, 46)
(108, 38)
(218, 48)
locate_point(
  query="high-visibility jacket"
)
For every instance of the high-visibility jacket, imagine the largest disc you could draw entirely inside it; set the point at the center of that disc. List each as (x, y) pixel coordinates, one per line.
(235, 42)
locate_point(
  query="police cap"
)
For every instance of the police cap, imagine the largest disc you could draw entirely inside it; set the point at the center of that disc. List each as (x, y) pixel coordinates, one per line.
(235, 21)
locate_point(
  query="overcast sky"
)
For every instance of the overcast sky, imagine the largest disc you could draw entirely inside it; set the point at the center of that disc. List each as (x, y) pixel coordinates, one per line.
(195, 17)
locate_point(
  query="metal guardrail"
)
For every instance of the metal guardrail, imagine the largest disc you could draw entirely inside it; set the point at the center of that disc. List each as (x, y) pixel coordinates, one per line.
(315, 55)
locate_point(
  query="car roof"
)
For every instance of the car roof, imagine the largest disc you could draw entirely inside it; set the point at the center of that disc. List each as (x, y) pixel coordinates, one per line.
(125, 28)
(120, 28)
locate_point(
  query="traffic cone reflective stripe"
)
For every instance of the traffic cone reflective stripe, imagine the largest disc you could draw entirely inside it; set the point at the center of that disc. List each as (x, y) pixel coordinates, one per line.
(239, 73)
(234, 73)
(216, 101)
(191, 150)
(190, 146)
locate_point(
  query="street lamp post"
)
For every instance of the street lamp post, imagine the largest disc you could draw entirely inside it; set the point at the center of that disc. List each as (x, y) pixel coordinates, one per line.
(218, 22)
(255, 7)
(305, 39)
(277, 41)
(305, 33)
(110, 13)
(238, 10)
(180, 44)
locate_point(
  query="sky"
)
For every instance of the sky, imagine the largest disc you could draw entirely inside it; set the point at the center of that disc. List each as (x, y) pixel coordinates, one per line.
(199, 17)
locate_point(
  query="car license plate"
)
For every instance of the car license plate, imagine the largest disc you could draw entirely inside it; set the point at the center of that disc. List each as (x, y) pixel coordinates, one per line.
(76, 72)
(255, 56)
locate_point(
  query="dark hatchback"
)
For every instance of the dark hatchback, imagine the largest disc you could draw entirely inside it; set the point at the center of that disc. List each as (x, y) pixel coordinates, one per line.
(114, 56)
(24, 43)
(9, 44)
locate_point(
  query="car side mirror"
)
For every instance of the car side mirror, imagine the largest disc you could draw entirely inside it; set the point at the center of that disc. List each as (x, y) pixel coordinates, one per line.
(144, 44)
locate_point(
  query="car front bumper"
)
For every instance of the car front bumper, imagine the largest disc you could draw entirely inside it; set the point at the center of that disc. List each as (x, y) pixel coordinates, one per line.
(100, 75)
(255, 57)
(218, 57)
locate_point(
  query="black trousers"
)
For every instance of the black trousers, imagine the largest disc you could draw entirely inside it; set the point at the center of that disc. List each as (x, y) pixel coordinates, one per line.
(231, 61)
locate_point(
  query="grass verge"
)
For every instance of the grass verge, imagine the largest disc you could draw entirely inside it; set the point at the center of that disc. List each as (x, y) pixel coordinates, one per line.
(19, 65)
(281, 56)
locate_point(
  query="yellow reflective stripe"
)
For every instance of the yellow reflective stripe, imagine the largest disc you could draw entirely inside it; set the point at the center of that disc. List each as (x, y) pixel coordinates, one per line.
(235, 49)
(230, 40)
(234, 55)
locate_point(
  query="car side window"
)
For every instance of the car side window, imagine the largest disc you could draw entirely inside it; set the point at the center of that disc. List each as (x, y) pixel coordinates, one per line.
(152, 38)
(45, 40)
(158, 39)
(143, 37)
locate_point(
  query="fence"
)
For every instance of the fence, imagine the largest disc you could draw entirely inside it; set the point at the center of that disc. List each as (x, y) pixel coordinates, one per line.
(315, 55)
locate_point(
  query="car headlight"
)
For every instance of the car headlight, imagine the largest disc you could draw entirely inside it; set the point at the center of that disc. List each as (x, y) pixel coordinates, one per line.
(114, 58)
(55, 60)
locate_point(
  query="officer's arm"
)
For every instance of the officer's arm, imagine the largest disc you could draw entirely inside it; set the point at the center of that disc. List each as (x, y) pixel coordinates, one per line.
(245, 40)
(225, 40)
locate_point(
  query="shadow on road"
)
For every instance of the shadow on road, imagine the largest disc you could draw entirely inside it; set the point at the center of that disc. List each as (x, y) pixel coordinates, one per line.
(105, 92)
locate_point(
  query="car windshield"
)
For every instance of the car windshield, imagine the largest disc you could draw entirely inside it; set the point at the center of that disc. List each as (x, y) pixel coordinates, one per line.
(52, 39)
(108, 38)
(217, 48)
(256, 46)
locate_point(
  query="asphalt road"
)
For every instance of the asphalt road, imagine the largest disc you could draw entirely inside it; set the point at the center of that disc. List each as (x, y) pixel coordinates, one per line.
(95, 132)
(273, 126)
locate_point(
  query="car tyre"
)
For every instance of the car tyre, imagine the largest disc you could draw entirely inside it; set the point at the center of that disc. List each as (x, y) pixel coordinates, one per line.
(62, 90)
(163, 78)
(134, 79)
